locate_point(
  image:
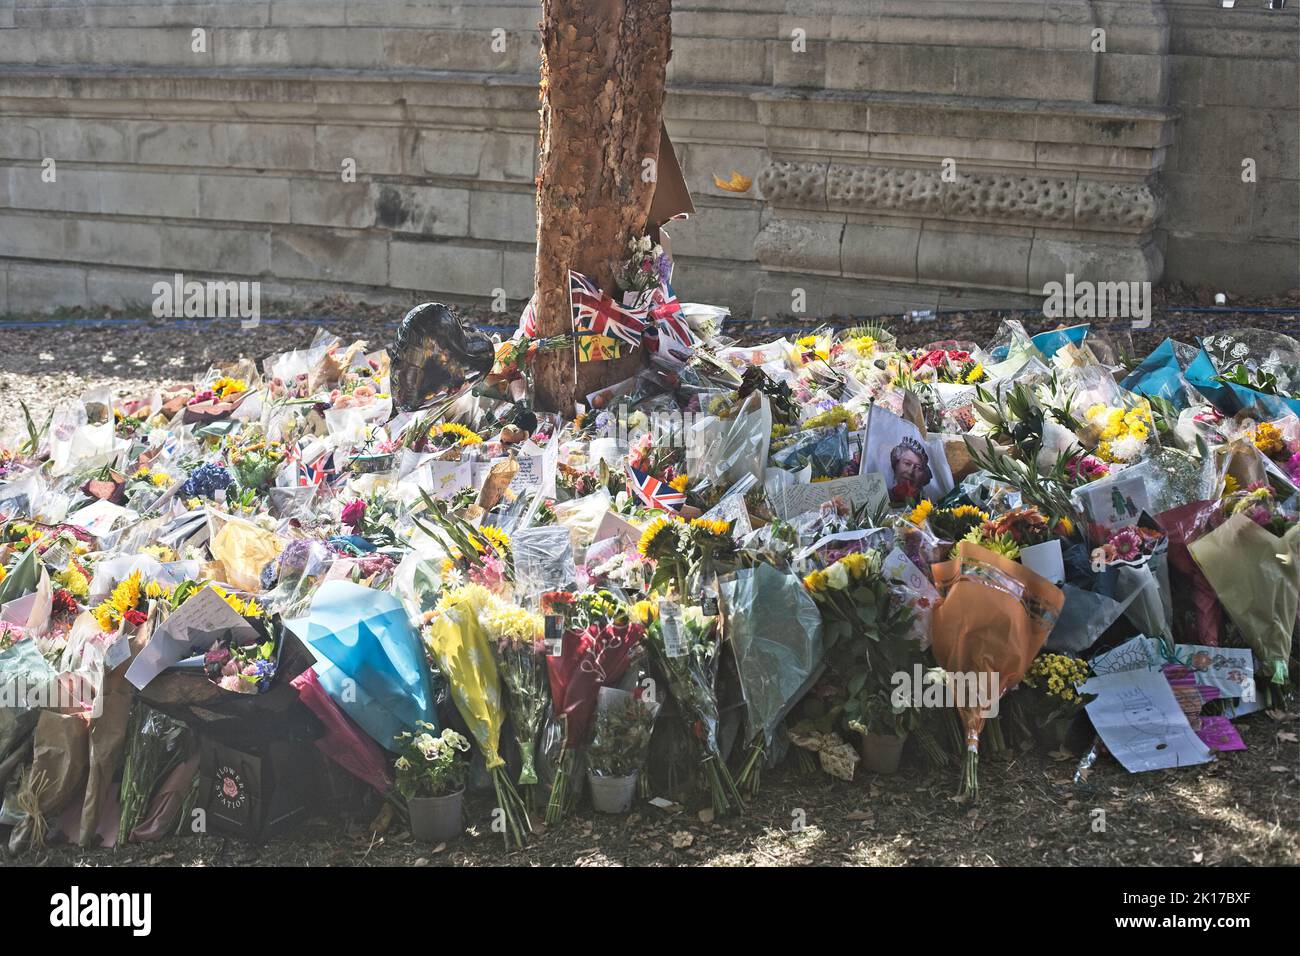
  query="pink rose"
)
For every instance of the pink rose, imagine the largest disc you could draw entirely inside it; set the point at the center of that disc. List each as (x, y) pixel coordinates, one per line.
(354, 512)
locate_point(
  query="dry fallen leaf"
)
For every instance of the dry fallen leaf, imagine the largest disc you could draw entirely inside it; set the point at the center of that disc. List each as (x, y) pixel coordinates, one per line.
(736, 184)
(706, 815)
(681, 840)
(1197, 856)
(1287, 737)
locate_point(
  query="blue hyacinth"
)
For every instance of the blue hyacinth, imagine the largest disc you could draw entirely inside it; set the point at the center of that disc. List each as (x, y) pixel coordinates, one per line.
(205, 480)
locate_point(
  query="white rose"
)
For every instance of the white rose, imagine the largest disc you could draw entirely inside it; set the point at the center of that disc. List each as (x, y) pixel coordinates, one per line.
(837, 577)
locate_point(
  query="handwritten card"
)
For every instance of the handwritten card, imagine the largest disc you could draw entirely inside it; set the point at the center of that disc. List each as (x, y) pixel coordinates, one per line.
(857, 490)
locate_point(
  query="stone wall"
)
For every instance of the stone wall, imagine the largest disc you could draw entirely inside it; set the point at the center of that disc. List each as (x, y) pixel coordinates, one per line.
(912, 154)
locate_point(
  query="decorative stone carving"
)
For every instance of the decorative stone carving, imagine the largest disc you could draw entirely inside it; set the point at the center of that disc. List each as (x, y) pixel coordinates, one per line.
(986, 197)
(794, 184)
(1129, 206)
(908, 190)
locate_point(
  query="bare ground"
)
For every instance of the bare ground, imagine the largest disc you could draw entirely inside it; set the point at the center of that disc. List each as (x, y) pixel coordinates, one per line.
(1241, 810)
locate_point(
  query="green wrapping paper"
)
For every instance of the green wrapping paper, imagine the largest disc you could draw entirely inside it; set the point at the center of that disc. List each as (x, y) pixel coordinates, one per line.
(1256, 576)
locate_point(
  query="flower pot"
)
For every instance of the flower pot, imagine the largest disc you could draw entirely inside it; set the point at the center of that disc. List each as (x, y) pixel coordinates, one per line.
(881, 752)
(437, 819)
(612, 794)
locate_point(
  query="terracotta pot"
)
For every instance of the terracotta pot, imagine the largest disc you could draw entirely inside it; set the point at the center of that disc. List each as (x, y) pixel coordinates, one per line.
(437, 819)
(881, 752)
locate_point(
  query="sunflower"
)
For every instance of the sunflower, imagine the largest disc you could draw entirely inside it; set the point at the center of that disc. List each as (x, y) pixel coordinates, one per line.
(498, 539)
(464, 436)
(712, 526)
(225, 388)
(680, 482)
(921, 511)
(655, 535)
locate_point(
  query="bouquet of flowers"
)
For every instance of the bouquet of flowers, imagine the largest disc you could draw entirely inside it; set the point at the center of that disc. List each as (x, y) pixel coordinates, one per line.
(255, 463)
(595, 650)
(621, 740)
(1049, 697)
(1252, 560)
(521, 659)
(241, 668)
(428, 765)
(460, 643)
(993, 620)
(648, 266)
(685, 645)
(1121, 433)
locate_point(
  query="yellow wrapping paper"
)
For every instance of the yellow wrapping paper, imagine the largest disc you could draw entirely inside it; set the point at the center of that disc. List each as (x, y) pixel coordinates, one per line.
(1256, 577)
(243, 550)
(461, 645)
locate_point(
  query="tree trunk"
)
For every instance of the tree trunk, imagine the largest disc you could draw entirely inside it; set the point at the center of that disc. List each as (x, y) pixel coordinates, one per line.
(603, 70)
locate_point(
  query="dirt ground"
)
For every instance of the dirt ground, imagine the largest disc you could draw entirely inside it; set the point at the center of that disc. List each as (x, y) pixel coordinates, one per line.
(1243, 809)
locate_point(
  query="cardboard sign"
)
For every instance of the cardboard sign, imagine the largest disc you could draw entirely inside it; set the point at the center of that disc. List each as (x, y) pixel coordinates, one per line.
(857, 490)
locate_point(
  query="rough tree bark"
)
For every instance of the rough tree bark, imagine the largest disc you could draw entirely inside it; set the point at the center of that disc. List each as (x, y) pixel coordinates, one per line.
(603, 69)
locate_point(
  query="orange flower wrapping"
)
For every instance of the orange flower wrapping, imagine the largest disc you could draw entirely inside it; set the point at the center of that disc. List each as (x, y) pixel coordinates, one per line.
(994, 618)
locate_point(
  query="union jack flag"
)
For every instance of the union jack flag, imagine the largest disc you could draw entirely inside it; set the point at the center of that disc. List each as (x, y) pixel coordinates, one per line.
(596, 313)
(528, 321)
(317, 472)
(670, 320)
(655, 493)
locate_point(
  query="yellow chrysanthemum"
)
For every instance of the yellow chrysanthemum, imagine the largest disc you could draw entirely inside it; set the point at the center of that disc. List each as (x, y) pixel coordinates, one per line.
(815, 581)
(861, 345)
(1230, 485)
(103, 615)
(127, 594)
(71, 579)
(921, 511)
(1268, 439)
(976, 374)
(644, 612)
(512, 623)
(1066, 526)
(856, 564)
(838, 415)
